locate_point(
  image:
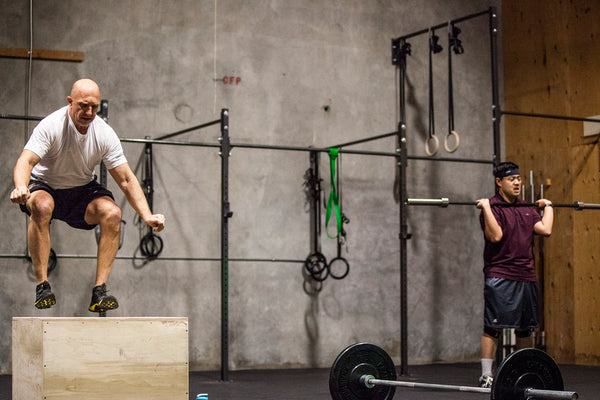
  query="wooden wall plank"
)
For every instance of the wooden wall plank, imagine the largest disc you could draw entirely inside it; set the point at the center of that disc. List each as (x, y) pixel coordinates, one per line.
(42, 54)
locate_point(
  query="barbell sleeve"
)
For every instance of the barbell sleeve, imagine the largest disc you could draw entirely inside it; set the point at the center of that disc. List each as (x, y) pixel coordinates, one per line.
(443, 202)
(531, 393)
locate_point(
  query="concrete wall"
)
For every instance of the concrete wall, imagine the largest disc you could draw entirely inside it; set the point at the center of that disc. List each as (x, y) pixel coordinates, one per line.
(160, 64)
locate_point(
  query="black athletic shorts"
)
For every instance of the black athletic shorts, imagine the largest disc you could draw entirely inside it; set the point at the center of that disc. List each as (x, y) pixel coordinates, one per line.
(70, 204)
(510, 304)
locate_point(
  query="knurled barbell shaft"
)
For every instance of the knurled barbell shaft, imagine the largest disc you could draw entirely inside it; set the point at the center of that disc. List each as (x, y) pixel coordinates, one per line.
(370, 381)
(528, 393)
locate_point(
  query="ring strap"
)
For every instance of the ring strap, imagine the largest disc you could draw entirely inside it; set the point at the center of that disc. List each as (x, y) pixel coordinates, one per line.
(453, 43)
(431, 127)
(333, 201)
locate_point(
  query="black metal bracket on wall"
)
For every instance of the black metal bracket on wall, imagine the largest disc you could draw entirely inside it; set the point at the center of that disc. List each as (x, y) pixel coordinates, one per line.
(400, 50)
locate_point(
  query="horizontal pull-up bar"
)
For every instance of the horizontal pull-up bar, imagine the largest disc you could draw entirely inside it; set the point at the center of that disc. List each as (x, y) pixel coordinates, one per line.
(359, 141)
(307, 149)
(521, 114)
(193, 128)
(170, 142)
(161, 140)
(445, 202)
(166, 258)
(444, 24)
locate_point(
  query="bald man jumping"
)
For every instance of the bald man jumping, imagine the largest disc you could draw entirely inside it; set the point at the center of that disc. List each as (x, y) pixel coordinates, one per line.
(54, 179)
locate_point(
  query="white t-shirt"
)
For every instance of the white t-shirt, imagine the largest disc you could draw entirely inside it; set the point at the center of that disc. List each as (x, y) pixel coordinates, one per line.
(68, 158)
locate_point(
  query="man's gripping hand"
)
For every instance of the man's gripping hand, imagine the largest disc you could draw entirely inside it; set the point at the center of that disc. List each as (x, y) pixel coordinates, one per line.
(156, 221)
(20, 195)
(483, 203)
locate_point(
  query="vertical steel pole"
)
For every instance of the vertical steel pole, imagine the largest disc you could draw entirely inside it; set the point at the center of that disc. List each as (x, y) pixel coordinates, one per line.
(404, 235)
(315, 202)
(225, 215)
(103, 113)
(496, 115)
(149, 179)
(496, 112)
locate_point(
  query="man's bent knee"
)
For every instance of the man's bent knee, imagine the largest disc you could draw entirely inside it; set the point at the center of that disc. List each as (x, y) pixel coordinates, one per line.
(41, 206)
(105, 212)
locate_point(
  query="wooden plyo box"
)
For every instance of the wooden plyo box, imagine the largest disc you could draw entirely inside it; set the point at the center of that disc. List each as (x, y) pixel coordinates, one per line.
(100, 358)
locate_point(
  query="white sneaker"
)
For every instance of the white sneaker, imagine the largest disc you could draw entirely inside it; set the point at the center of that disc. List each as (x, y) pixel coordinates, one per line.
(485, 381)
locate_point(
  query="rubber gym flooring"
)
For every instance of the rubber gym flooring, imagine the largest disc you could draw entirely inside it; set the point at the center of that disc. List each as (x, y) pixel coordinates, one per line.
(313, 384)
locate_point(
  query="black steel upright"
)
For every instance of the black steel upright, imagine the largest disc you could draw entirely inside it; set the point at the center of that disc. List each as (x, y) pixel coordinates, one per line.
(400, 49)
(103, 113)
(496, 115)
(148, 180)
(314, 190)
(225, 215)
(404, 235)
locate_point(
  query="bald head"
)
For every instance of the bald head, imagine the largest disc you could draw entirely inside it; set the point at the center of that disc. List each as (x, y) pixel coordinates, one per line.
(83, 103)
(85, 86)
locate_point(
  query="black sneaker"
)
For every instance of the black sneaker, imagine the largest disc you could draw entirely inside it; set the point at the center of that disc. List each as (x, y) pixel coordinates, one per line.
(44, 298)
(101, 301)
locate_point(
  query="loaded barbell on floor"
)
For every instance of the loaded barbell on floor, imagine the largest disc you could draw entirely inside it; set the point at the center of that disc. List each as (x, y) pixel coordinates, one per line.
(445, 202)
(366, 371)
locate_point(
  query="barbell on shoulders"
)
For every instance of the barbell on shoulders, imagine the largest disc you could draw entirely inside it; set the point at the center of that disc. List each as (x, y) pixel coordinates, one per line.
(445, 202)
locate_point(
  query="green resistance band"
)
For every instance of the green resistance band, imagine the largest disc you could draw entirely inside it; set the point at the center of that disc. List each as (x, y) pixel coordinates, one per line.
(333, 201)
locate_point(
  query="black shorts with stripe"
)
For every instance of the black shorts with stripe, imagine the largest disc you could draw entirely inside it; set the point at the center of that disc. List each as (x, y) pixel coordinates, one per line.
(510, 304)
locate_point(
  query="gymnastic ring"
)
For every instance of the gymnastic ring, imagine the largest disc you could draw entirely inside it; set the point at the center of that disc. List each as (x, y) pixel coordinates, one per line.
(320, 276)
(457, 138)
(97, 232)
(312, 287)
(435, 148)
(151, 245)
(346, 270)
(315, 263)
